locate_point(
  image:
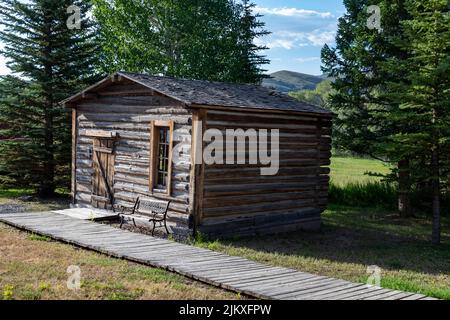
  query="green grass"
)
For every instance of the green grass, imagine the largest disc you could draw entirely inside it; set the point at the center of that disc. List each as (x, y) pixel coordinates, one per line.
(347, 170)
(37, 270)
(14, 193)
(359, 230)
(352, 239)
(357, 182)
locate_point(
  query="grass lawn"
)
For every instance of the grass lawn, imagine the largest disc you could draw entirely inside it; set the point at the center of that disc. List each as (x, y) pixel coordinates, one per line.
(33, 267)
(345, 170)
(353, 239)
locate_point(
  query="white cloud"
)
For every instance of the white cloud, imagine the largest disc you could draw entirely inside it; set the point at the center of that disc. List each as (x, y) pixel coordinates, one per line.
(281, 43)
(320, 38)
(292, 12)
(289, 40)
(307, 59)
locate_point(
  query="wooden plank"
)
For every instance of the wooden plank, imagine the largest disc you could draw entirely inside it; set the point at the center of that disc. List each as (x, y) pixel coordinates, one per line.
(101, 134)
(252, 276)
(296, 285)
(199, 127)
(400, 296)
(103, 150)
(310, 289)
(263, 281)
(324, 292)
(380, 295)
(350, 292)
(74, 155)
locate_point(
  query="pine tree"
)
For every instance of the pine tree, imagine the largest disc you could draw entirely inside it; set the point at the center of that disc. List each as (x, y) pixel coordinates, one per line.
(250, 59)
(363, 124)
(423, 94)
(196, 39)
(49, 62)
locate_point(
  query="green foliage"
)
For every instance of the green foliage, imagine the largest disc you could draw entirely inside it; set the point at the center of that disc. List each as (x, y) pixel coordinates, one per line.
(38, 237)
(354, 64)
(391, 90)
(370, 194)
(318, 97)
(49, 62)
(202, 39)
(8, 292)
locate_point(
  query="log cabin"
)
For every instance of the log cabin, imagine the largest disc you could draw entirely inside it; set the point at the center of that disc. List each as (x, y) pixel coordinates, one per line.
(126, 128)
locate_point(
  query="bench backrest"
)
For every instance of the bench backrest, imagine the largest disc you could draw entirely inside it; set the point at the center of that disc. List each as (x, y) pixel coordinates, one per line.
(150, 207)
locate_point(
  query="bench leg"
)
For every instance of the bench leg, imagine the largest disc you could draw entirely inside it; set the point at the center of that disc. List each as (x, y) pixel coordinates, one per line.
(154, 226)
(165, 226)
(121, 221)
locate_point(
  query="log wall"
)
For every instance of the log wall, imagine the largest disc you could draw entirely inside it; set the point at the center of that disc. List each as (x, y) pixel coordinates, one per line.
(128, 109)
(237, 200)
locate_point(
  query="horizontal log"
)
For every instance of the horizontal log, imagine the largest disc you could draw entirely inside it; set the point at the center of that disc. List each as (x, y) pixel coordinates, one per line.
(243, 171)
(258, 207)
(258, 125)
(224, 201)
(253, 219)
(251, 116)
(119, 121)
(177, 196)
(284, 163)
(104, 107)
(81, 196)
(132, 101)
(103, 150)
(257, 179)
(283, 188)
(99, 198)
(101, 134)
(131, 117)
(270, 127)
(82, 187)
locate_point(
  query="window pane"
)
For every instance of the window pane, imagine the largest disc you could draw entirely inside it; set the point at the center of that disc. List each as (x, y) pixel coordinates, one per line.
(163, 156)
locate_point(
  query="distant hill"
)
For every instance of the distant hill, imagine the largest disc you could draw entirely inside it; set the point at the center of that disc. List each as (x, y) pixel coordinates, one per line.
(287, 81)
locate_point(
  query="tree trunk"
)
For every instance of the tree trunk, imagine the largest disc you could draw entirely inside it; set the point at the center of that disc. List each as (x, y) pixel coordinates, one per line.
(436, 207)
(404, 189)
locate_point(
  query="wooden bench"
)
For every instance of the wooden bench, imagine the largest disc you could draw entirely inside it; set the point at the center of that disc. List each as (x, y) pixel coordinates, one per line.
(150, 210)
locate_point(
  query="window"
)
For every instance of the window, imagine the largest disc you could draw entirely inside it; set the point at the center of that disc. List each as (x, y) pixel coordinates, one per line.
(161, 158)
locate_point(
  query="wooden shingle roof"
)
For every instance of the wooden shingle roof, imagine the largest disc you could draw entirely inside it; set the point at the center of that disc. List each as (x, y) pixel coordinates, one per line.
(210, 93)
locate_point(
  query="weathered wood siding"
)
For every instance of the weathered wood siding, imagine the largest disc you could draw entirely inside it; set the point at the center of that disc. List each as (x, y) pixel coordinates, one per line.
(238, 200)
(128, 109)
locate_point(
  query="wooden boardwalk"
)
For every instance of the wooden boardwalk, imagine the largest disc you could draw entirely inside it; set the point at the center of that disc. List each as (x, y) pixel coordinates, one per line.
(218, 269)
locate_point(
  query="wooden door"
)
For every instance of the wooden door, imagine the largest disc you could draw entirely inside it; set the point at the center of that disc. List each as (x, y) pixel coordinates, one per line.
(103, 179)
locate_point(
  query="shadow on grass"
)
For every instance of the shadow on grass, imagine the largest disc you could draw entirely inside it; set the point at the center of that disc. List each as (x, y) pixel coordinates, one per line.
(359, 236)
(29, 201)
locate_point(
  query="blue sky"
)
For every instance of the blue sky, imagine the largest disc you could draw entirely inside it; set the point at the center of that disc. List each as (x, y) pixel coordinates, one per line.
(299, 29)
